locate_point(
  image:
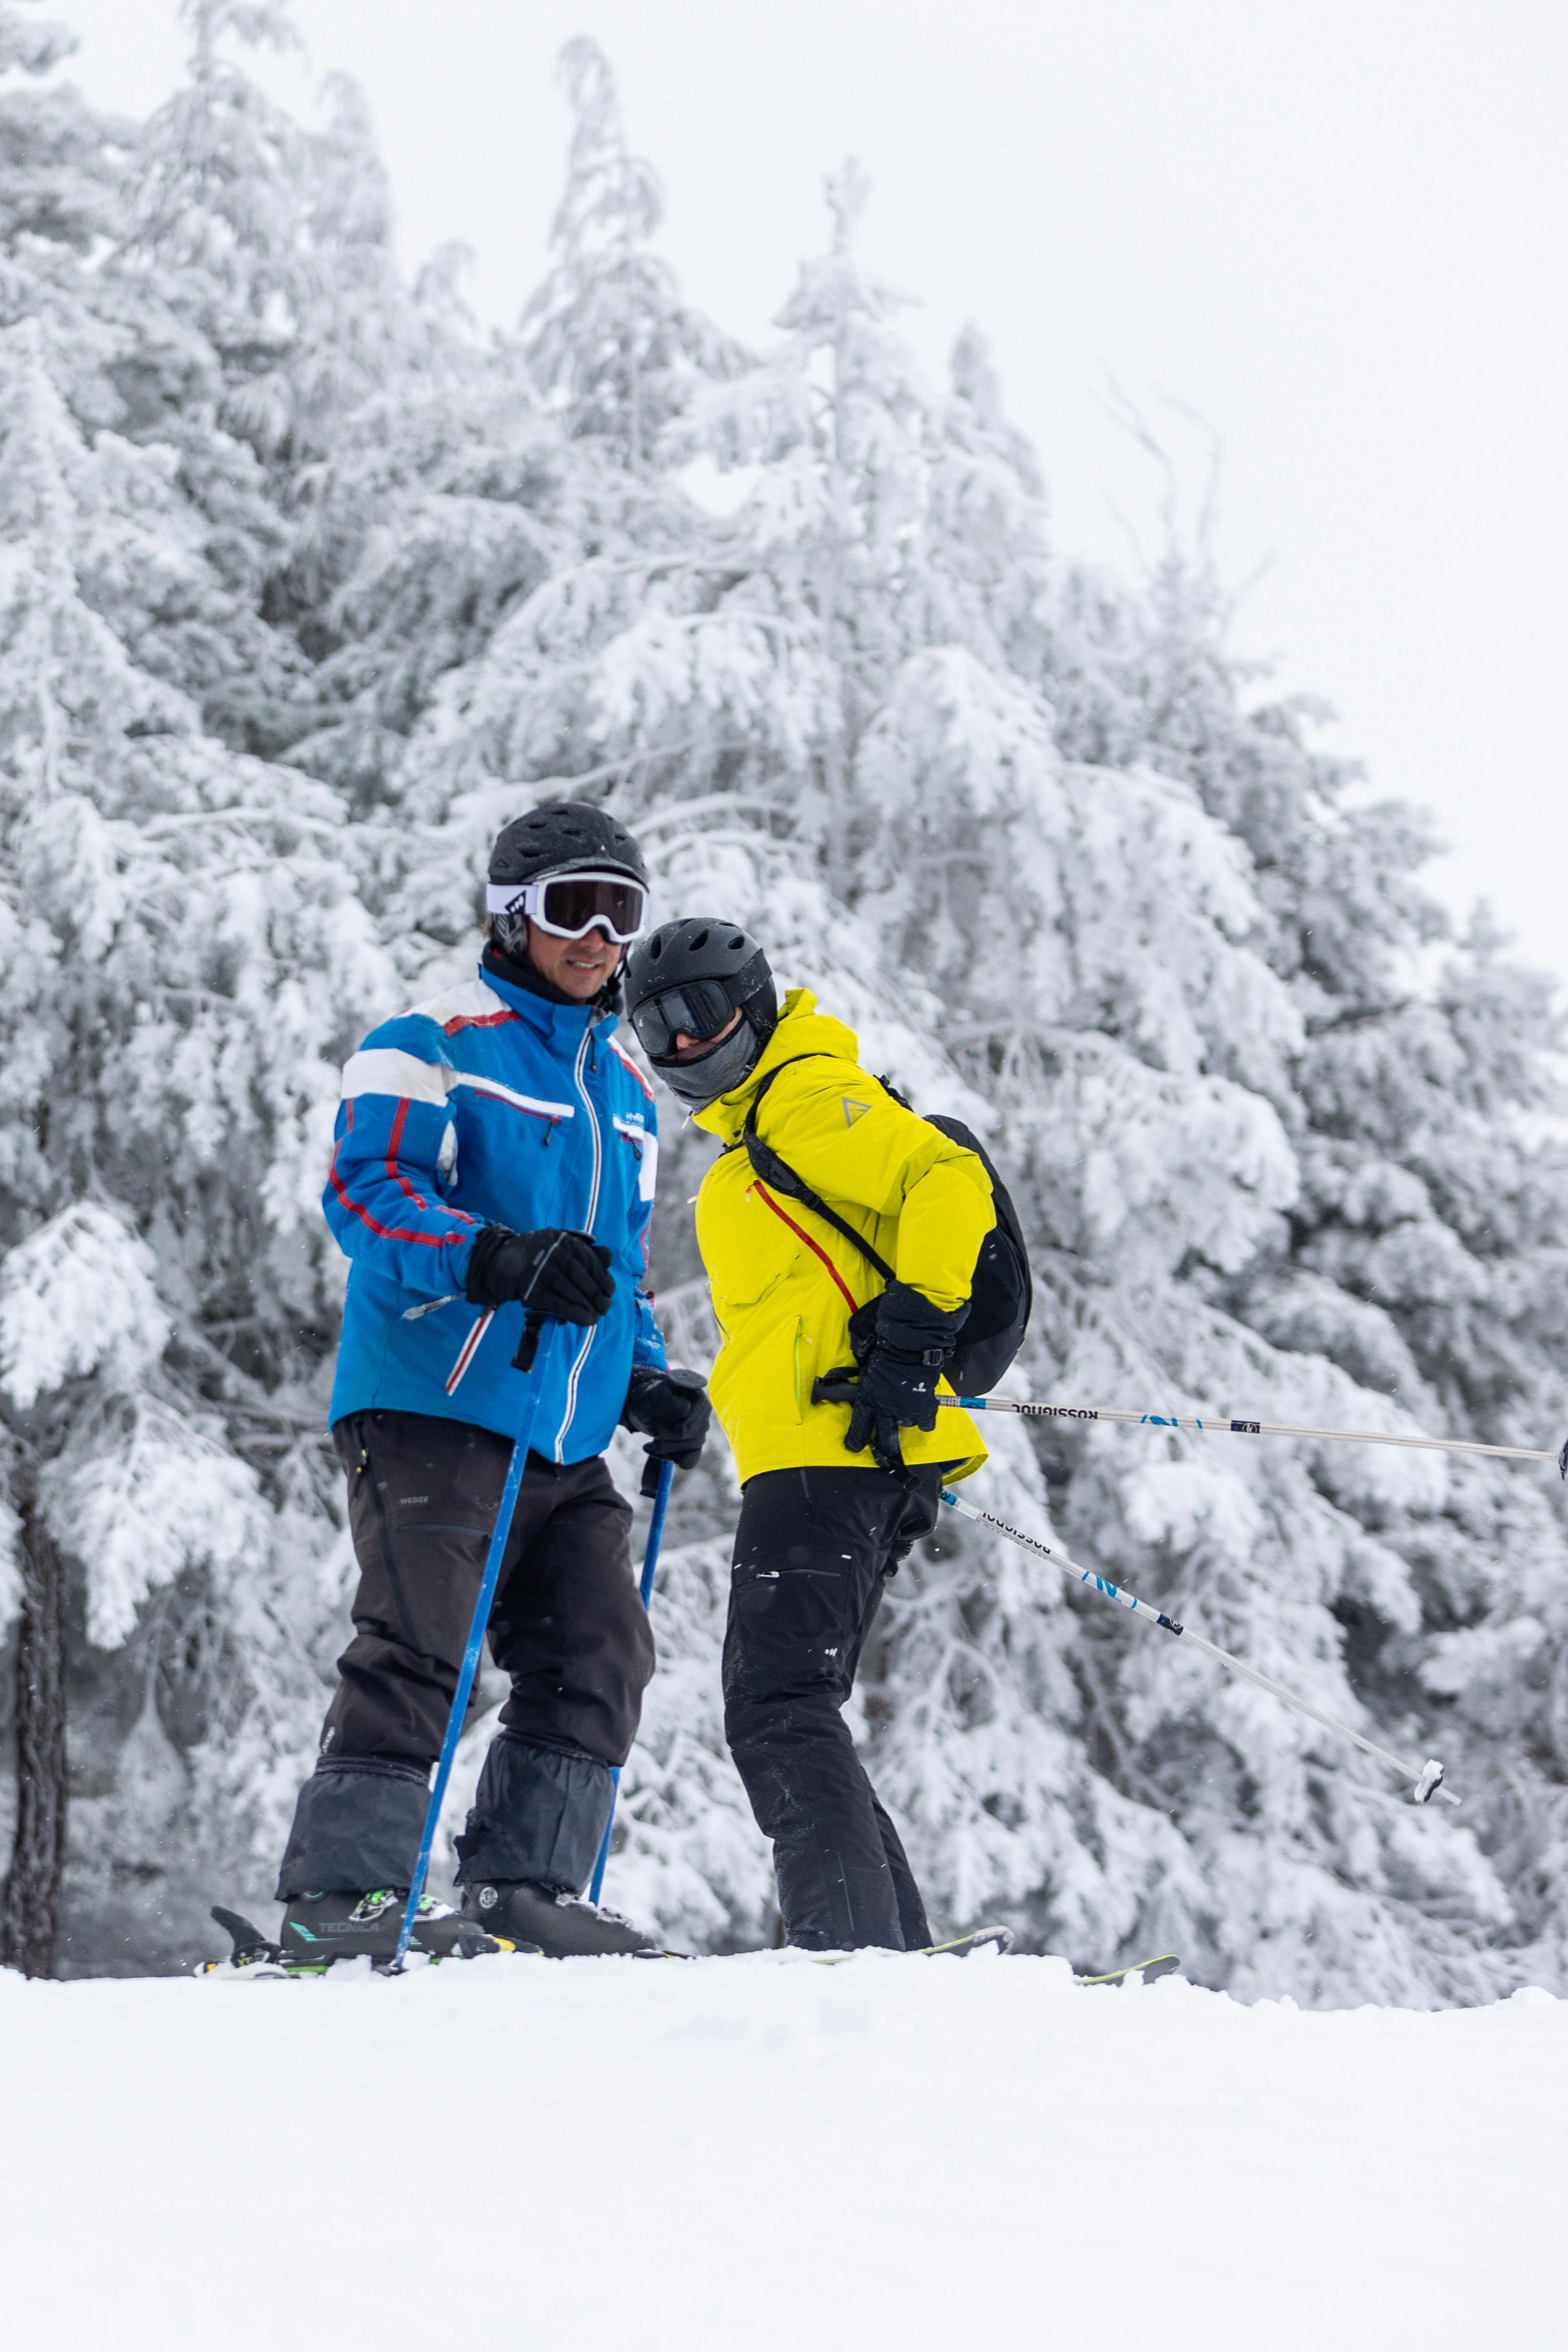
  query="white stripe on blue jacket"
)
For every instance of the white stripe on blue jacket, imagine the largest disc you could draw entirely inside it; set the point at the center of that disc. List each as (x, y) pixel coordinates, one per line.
(490, 1106)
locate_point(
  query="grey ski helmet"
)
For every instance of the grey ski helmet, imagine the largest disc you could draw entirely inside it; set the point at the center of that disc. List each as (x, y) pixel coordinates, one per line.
(556, 838)
(689, 978)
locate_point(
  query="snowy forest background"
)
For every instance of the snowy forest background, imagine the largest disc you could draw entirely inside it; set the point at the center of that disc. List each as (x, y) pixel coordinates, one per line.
(306, 585)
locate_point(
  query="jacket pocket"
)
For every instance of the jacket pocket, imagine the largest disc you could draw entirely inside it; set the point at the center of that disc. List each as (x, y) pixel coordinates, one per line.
(792, 1630)
(756, 1382)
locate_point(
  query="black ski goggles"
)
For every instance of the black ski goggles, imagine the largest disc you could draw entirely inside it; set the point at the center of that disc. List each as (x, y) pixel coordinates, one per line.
(569, 906)
(698, 1009)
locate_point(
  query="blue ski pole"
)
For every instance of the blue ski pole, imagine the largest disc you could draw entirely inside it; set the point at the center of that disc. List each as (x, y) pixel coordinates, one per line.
(649, 1562)
(533, 1358)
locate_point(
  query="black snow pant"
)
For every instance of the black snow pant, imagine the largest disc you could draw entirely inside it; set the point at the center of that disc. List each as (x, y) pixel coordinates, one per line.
(567, 1626)
(814, 1551)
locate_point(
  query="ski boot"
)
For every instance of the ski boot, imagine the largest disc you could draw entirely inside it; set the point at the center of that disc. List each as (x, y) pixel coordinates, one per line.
(562, 1926)
(320, 1928)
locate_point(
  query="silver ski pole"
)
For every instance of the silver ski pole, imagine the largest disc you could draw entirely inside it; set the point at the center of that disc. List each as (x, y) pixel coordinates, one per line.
(1033, 1411)
(1427, 1778)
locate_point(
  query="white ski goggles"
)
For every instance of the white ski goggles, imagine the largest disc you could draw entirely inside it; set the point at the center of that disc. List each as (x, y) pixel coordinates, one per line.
(569, 906)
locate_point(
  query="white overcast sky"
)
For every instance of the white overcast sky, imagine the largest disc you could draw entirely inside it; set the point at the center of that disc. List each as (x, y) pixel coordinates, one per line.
(1335, 226)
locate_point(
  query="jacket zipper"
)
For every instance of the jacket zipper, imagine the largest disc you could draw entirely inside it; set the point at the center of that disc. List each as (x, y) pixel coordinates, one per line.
(594, 1129)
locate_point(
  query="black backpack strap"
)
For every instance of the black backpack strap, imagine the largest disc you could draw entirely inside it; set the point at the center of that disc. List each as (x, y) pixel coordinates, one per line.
(767, 1165)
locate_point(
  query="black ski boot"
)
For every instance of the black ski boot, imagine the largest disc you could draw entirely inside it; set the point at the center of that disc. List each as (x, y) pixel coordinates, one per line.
(320, 1928)
(562, 1926)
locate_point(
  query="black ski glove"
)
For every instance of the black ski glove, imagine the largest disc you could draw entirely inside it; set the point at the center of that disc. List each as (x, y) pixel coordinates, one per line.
(897, 1387)
(552, 1273)
(671, 1409)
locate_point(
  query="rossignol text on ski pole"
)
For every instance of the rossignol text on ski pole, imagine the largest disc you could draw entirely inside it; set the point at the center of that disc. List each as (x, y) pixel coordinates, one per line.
(1427, 1778)
(644, 1586)
(532, 1358)
(1035, 1411)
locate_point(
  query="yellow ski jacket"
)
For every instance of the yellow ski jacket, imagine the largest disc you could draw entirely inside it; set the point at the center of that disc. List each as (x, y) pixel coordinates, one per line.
(784, 1284)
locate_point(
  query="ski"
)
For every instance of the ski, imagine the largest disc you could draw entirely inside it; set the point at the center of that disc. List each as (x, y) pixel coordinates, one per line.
(1159, 1966)
(980, 1939)
(256, 1956)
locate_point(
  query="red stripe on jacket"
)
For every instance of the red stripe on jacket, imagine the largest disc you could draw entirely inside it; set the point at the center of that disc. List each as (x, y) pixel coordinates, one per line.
(815, 1247)
(357, 1209)
(626, 1063)
(477, 1021)
(393, 1168)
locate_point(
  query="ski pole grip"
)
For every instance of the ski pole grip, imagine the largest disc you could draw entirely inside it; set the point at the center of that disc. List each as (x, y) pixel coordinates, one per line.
(840, 1386)
(528, 1346)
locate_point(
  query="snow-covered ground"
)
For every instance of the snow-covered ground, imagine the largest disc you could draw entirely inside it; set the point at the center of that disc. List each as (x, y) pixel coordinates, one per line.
(760, 2153)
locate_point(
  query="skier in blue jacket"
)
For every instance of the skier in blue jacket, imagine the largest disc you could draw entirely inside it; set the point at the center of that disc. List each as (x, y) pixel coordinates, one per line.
(495, 1160)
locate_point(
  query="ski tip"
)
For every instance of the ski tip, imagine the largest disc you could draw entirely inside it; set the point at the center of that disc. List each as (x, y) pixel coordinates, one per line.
(982, 1939)
(1163, 1964)
(958, 1947)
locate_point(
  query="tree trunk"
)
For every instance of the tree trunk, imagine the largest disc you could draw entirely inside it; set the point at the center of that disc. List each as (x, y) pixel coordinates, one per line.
(29, 1909)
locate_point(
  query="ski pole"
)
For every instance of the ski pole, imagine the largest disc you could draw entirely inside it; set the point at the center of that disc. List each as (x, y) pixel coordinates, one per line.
(1258, 1429)
(644, 1586)
(534, 1360)
(1427, 1779)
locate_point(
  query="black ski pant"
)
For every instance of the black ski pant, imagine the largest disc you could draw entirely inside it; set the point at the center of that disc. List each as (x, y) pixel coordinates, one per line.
(814, 1551)
(566, 1625)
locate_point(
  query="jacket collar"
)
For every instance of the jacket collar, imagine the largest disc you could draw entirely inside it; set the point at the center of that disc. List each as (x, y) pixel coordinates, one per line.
(561, 1027)
(802, 1029)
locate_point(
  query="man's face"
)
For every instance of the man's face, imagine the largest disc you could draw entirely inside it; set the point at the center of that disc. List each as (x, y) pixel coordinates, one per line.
(696, 1049)
(578, 967)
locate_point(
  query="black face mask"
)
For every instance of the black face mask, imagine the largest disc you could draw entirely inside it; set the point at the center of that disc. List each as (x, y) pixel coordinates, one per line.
(715, 1073)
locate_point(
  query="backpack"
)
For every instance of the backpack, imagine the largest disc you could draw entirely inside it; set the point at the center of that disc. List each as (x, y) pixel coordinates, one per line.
(1002, 1293)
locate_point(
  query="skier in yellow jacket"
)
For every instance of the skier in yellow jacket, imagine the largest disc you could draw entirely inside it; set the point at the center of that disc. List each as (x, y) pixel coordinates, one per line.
(833, 1494)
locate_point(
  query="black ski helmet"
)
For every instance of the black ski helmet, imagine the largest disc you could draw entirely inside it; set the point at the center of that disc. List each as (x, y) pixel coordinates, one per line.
(703, 952)
(557, 837)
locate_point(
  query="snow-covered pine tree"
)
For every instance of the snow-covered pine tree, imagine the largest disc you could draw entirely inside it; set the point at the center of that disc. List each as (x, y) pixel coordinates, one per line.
(220, 204)
(181, 961)
(62, 169)
(1420, 1271)
(258, 261)
(609, 340)
(460, 494)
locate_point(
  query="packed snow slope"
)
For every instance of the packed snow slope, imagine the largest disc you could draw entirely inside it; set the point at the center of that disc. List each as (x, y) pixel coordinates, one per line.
(753, 2154)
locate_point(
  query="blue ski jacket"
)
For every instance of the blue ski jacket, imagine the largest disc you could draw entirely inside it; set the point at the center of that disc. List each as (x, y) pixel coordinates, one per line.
(490, 1106)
